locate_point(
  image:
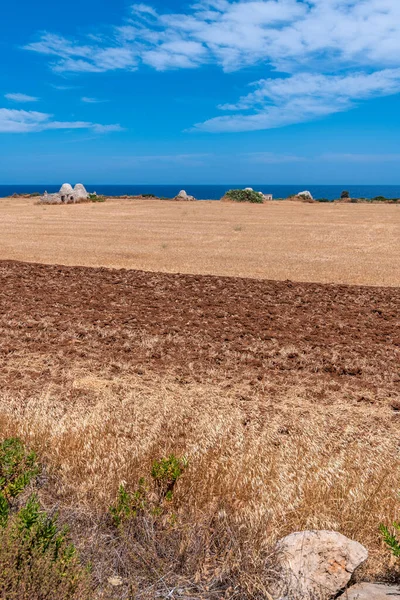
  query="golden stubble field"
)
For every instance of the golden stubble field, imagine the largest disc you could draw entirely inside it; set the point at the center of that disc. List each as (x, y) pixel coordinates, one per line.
(342, 243)
(283, 396)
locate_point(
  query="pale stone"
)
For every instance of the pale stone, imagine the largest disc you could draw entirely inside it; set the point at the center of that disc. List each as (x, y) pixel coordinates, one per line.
(306, 194)
(115, 581)
(184, 196)
(372, 591)
(317, 564)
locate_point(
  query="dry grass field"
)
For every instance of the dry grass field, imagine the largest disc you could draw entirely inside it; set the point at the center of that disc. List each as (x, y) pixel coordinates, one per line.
(340, 243)
(283, 396)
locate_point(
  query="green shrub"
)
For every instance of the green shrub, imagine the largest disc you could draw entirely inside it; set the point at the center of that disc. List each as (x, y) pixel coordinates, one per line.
(392, 539)
(322, 200)
(128, 504)
(37, 560)
(148, 196)
(17, 469)
(245, 196)
(345, 194)
(165, 473)
(96, 198)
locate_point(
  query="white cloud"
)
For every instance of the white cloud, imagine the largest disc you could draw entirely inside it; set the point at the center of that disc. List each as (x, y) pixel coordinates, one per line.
(21, 98)
(89, 100)
(23, 121)
(361, 158)
(300, 98)
(323, 45)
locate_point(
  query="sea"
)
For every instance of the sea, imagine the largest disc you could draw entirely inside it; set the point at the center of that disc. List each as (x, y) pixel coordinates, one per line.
(215, 192)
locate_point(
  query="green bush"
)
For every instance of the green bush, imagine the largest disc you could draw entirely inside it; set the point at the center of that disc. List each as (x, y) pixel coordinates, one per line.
(129, 504)
(96, 198)
(345, 194)
(245, 196)
(165, 473)
(392, 539)
(17, 469)
(322, 200)
(37, 560)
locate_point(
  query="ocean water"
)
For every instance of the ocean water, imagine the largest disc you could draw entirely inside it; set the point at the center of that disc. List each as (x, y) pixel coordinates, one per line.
(215, 192)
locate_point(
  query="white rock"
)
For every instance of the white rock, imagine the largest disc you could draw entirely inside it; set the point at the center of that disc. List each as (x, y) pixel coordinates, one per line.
(372, 591)
(248, 190)
(317, 564)
(184, 196)
(306, 194)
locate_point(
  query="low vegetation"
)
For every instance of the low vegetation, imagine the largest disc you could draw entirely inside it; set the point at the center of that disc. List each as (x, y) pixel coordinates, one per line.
(37, 559)
(244, 196)
(96, 198)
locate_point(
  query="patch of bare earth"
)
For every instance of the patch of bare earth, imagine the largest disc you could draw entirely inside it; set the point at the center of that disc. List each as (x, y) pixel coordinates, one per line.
(283, 396)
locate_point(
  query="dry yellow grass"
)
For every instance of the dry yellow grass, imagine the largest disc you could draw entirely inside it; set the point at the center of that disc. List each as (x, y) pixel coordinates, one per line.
(342, 243)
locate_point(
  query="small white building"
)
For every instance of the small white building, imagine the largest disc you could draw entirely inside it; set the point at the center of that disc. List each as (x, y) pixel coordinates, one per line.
(66, 195)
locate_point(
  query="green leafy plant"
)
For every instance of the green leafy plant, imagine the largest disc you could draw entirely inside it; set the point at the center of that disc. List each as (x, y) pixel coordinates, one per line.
(17, 469)
(345, 194)
(392, 539)
(37, 559)
(129, 505)
(245, 196)
(166, 472)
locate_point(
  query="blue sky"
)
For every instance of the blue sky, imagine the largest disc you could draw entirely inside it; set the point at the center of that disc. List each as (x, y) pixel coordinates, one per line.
(209, 91)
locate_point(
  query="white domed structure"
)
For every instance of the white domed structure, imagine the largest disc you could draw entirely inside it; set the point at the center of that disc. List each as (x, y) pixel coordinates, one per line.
(80, 191)
(66, 193)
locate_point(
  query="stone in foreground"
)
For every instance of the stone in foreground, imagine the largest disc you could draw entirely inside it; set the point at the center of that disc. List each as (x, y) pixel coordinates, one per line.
(317, 564)
(371, 591)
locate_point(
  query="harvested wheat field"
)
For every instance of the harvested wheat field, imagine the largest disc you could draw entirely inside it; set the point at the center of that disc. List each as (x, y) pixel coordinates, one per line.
(329, 243)
(282, 397)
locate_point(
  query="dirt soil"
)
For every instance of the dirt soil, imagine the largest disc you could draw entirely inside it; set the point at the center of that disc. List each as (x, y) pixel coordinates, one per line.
(200, 327)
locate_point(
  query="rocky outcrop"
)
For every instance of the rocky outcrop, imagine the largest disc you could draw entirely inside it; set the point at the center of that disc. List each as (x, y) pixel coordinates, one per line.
(317, 564)
(372, 591)
(306, 195)
(184, 197)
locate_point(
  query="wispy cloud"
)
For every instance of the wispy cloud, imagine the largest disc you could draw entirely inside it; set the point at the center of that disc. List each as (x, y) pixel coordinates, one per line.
(361, 158)
(350, 46)
(88, 100)
(63, 88)
(21, 98)
(300, 98)
(23, 121)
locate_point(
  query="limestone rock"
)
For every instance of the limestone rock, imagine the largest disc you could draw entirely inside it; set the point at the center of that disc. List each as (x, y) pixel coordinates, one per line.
(183, 196)
(306, 195)
(248, 190)
(317, 564)
(372, 591)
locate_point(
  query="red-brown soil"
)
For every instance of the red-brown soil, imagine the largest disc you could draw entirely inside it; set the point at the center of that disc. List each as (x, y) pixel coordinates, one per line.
(200, 327)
